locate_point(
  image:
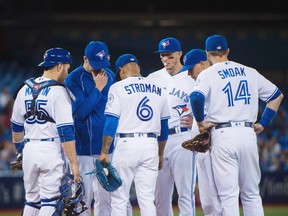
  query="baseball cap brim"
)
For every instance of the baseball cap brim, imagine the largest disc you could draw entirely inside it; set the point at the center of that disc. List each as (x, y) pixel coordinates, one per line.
(47, 64)
(97, 65)
(166, 51)
(186, 67)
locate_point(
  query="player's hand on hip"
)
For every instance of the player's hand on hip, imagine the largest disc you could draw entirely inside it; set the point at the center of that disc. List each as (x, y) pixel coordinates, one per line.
(258, 128)
(205, 126)
(186, 121)
(100, 79)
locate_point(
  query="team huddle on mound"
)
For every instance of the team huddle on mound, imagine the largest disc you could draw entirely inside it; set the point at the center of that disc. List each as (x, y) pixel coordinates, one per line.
(83, 138)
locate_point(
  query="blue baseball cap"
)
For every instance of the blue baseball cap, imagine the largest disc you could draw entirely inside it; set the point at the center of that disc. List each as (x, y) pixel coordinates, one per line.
(168, 45)
(97, 56)
(56, 56)
(192, 58)
(106, 47)
(125, 59)
(216, 42)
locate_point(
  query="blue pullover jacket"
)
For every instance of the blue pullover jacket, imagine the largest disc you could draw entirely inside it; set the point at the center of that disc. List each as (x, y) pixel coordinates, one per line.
(88, 110)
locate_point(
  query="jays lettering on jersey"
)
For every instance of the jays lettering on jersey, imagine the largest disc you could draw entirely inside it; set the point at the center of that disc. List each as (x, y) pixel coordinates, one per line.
(227, 87)
(179, 97)
(139, 109)
(178, 88)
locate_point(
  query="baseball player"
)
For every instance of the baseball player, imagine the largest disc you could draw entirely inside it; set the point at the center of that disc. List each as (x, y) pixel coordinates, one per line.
(178, 88)
(89, 83)
(195, 61)
(231, 92)
(43, 123)
(137, 113)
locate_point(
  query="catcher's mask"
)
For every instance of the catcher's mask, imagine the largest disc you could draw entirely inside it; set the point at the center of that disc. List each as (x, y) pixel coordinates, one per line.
(72, 194)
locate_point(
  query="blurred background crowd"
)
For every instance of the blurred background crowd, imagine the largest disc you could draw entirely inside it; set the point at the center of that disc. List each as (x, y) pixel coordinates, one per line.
(257, 36)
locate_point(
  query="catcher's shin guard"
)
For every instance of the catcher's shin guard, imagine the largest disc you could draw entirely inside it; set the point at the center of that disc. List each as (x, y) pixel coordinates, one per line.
(59, 205)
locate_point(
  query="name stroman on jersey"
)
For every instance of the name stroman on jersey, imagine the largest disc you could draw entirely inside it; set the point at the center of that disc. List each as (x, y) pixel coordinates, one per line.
(140, 87)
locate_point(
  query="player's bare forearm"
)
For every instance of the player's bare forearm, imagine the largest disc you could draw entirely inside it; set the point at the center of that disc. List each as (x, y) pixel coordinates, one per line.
(106, 142)
(17, 136)
(161, 146)
(274, 104)
(70, 151)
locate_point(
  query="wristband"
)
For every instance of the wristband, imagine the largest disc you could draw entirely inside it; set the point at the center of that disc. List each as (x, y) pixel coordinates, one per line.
(267, 116)
(19, 145)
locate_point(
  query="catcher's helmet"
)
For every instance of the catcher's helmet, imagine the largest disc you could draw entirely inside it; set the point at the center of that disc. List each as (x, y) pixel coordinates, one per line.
(56, 56)
(72, 194)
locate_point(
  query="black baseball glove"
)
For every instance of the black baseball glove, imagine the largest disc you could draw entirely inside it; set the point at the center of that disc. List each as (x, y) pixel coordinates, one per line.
(106, 175)
(17, 164)
(199, 143)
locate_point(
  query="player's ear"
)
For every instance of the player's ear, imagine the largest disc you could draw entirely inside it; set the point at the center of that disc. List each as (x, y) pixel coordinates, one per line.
(122, 73)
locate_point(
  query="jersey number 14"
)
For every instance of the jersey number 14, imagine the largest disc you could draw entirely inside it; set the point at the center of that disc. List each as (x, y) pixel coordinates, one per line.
(242, 93)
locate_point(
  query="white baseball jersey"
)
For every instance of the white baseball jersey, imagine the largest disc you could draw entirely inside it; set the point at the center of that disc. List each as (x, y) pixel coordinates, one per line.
(53, 101)
(234, 89)
(137, 115)
(140, 106)
(43, 159)
(232, 92)
(178, 88)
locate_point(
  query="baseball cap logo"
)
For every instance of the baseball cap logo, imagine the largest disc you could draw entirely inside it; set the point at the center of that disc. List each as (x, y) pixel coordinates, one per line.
(101, 54)
(185, 59)
(165, 44)
(218, 47)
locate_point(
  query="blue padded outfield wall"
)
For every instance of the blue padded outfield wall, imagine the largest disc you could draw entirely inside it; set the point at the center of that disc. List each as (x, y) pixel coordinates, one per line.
(273, 189)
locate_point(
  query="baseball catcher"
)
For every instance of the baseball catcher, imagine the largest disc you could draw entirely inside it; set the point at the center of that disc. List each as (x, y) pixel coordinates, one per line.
(199, 143)
(106, 175)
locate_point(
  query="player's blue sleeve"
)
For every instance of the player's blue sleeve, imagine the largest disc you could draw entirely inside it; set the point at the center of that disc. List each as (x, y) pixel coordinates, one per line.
(66, 133)
(197, 101)
(164, 130)
(277, 93)
(86, 106)
(19, 146)
(84, 103)
(16, 127)
(111, 124)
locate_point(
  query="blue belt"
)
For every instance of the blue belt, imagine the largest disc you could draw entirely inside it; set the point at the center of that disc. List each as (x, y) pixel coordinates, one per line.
(234, 124)
(150, 135)
(41, 140)
(178, 130)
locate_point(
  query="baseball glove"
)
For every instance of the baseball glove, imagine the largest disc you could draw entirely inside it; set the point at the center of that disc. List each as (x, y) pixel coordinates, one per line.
(17, 164)
(106, 175)
(199, 143)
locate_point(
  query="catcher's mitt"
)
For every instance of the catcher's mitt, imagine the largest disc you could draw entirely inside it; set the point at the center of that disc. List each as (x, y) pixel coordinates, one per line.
(106, 175)
(199, 143)
(17, 164)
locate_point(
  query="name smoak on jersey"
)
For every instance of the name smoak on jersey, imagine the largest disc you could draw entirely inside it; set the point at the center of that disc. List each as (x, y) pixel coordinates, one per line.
(143, 87)
(231, 72)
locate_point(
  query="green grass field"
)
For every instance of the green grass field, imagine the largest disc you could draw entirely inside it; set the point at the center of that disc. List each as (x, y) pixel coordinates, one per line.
(269, 211)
